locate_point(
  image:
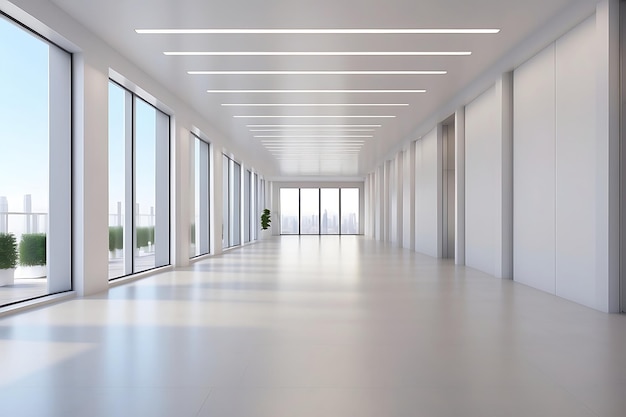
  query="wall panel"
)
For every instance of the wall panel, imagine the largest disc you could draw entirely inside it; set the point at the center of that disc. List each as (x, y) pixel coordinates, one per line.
(428, 193)
(576, 147)
(534, 172)
(481, 169)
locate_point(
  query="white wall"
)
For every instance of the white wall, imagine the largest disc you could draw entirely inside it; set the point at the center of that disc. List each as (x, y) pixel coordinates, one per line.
(563, 168)
(481, 168)
(576, 178)
(488, 180)
(535, 172)
(428, 186)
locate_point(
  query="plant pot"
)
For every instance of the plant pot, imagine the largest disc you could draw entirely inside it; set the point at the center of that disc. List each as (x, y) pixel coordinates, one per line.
(265, 234)
(7, 277)
(34, 271)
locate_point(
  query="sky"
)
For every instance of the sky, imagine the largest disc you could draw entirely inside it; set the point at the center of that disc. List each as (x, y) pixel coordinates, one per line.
(23, 118)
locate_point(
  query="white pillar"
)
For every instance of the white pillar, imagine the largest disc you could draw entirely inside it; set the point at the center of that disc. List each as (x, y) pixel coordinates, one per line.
(459, 171)
(4, 217)
(608, 159)
(504, 191)
(28, 209)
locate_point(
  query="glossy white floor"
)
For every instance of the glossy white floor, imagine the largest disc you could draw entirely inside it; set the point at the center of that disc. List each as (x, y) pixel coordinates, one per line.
(333, 327)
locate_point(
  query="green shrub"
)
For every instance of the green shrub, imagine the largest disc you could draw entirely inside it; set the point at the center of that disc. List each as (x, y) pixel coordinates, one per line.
(145, 235)
(116, 238)
(265, 219)
(8, 251)
(32, 249)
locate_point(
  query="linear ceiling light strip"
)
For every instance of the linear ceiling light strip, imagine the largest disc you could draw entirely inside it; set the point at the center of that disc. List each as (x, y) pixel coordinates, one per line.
(316, 116)
(314, 91)
(338, 130)
(313, 136)
(314, 126)
(299, 53)
(363, 31)
(315, 104)
(417, 72)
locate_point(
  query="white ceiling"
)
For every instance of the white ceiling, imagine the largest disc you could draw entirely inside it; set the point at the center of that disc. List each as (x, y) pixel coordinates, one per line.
(302, 151)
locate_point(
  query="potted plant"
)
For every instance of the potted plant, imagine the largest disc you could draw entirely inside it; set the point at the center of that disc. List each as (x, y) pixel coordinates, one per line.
(8, 258)
(32, 259)
(116, 241)
(265, 223)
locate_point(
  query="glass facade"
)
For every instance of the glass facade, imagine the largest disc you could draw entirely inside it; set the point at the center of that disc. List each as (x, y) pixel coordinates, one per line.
(139, 184)
(289, 211)
(199, 228)
(35, 166)
(350, 208)
(231, 216)
(309, 211)
(314, 211)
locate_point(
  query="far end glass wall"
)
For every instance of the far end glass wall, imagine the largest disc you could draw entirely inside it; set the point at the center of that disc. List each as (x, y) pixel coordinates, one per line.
(314, 211)
(199, 175)
(289, 211)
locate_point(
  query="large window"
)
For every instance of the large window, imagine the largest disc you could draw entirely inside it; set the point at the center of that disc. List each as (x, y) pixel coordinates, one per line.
(247, 206)
(314, 211)
(231, 232)
(309, 211)
(350, 211)
(329, 210)
(289, 211)
(139, 175)
(199, 176)
(35, 161)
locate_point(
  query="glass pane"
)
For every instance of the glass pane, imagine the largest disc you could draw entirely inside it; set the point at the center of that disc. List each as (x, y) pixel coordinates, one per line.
(199, 218)
(236, 218)
(329, 202)
(194, 215)
(145, 185)
(32, 142)
(289, 204)
(117, 179)
(246, 207)
(254, 207)
(349, 211)
(225, 202)
(310, 211)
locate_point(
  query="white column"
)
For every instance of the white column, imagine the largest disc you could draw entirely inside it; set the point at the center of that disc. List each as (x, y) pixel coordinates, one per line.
(59, 239)
(181, 189)
(28, 209)
(216, 203)
(504, 187)
(608, 161)
(459, 170)
(398, 174)
(4, 217)
(408, 197)
(90, 199)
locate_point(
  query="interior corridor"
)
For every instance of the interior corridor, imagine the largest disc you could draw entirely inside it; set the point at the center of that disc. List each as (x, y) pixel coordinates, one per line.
(315, 326)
